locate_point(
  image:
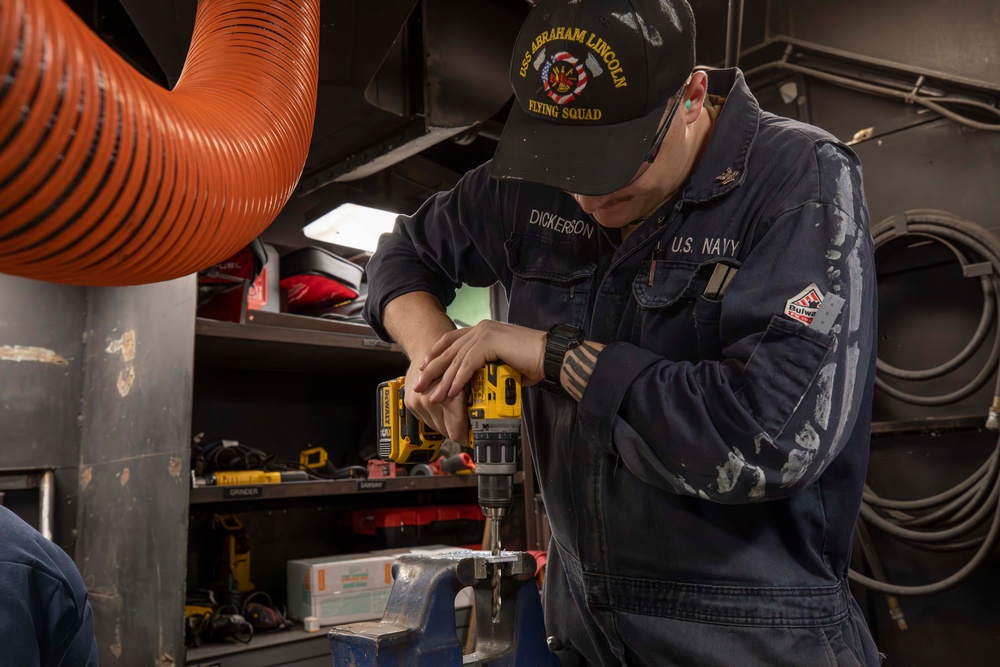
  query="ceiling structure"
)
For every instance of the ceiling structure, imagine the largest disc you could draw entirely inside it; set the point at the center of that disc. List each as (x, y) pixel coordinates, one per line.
(412, 93)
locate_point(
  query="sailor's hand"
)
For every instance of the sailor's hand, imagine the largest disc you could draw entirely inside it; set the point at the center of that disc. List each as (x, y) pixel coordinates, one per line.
(460, 353)
(450, 416)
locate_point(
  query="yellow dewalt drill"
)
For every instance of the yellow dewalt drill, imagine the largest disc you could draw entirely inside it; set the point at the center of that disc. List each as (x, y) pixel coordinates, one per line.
(494, 435)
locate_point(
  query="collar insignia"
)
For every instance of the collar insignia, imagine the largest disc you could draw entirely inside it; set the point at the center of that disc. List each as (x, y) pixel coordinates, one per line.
(728, 176)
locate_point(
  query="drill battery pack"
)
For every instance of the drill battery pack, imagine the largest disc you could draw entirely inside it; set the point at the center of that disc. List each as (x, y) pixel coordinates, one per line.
(402, 437)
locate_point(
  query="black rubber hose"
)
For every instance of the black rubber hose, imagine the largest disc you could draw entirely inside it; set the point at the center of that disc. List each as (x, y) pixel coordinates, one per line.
(871, 498)
(948, 229)
(960, 530)
(946, 521)
(983, 328)
(949, 582)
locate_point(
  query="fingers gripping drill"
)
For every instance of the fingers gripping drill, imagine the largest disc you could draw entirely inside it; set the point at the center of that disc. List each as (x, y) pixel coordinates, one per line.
(494, 435)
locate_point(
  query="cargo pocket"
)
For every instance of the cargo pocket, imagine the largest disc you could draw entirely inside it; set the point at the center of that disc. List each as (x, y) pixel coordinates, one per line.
(708, 312)
(781, 370)
(550, 285)
(839, 652)
(663, 291)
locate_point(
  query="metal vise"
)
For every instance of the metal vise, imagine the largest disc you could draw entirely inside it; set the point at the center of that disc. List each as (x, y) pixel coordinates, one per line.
(418, 627)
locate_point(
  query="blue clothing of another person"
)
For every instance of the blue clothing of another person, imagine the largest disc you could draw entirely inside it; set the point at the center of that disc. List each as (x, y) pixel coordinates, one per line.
(45, 618)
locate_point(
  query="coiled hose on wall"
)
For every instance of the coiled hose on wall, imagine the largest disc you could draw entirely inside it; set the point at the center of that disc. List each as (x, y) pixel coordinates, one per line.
(108, 179)
(947, 520)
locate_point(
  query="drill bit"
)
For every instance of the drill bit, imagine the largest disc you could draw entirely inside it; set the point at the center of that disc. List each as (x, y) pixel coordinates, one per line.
(495, 550)
(495, 536)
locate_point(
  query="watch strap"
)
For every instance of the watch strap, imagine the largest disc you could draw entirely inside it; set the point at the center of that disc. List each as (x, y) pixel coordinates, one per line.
(561, 339)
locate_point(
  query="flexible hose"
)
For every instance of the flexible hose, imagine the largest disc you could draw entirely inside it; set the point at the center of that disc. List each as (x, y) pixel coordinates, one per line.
(947, 520)
(971, 244)
(108, 179)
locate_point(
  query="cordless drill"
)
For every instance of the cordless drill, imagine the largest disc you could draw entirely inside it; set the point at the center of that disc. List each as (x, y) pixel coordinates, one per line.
(494, 434)
(495, 431)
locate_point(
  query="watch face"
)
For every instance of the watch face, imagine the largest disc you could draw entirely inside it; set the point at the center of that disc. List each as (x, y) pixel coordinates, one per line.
(565, 331)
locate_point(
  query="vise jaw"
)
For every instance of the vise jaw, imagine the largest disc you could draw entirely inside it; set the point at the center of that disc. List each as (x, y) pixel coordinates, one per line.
(418, 627)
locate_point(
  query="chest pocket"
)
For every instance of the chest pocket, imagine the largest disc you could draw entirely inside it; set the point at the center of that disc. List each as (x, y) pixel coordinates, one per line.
(551, 284)
(674, 318)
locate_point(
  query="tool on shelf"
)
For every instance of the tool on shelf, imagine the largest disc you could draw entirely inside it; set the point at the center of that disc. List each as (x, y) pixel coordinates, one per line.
(243, 477)
(237, 550)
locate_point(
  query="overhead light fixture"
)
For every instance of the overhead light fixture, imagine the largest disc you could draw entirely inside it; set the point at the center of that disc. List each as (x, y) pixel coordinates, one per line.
(352, 226)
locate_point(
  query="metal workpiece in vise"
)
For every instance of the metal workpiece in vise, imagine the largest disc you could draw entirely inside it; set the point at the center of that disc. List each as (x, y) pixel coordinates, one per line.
(418, 627)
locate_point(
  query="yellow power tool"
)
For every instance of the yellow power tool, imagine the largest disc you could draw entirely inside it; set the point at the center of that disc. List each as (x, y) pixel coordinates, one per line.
(241, 477)
(494, 434)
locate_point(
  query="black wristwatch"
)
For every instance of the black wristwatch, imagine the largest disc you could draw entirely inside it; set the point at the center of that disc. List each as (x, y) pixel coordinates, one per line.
(561, 339)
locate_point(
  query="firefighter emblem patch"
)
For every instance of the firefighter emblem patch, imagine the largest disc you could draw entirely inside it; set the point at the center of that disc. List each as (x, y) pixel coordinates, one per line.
(803, 306)
(563, 78)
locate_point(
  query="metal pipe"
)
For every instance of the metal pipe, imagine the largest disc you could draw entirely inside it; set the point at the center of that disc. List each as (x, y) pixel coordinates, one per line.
(734, 31)
(46, 503)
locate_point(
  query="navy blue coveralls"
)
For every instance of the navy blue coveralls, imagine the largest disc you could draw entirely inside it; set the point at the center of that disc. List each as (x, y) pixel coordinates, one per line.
(45, 618)
(703, 493)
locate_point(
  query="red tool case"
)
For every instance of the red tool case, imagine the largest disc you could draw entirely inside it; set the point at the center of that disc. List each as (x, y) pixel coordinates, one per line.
(391, 527)
(314, 277)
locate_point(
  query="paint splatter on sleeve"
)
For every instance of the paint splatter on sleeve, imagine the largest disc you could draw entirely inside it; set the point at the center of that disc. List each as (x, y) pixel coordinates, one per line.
(768, 419)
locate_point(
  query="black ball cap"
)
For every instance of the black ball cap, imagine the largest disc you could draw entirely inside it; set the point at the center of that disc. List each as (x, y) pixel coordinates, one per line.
(592, 80)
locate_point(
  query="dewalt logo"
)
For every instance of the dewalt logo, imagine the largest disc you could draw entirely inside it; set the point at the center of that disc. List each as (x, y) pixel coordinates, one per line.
(386, 407)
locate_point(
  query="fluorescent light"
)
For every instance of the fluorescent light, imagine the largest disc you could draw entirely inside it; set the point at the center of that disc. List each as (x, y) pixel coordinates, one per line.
(352, 226)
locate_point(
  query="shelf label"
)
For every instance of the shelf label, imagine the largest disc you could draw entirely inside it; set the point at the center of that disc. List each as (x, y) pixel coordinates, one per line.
(371, 485)
(242, 492)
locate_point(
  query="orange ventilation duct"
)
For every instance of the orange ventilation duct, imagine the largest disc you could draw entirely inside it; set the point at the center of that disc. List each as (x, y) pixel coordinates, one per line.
(108, 179)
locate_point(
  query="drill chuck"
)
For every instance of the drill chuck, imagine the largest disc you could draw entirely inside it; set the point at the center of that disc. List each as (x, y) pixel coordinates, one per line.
(495, 453)
(496, 492)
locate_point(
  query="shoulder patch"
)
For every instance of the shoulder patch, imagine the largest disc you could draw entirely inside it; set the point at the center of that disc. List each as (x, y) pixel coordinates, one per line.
(803, 306)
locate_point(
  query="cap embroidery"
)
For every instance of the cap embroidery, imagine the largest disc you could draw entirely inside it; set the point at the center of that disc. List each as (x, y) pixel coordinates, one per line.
(728, 176)
(598, 47)
(563, 77)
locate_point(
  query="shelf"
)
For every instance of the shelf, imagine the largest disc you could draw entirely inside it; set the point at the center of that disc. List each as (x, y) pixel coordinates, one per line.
(282, 342)
(218, 494)
(286, 647)
(306, 645)
(929, 424)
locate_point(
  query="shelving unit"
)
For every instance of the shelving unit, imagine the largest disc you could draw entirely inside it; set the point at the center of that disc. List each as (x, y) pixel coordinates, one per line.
(291, 343)
(282, 383)
(292, 647)
(264, 492)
